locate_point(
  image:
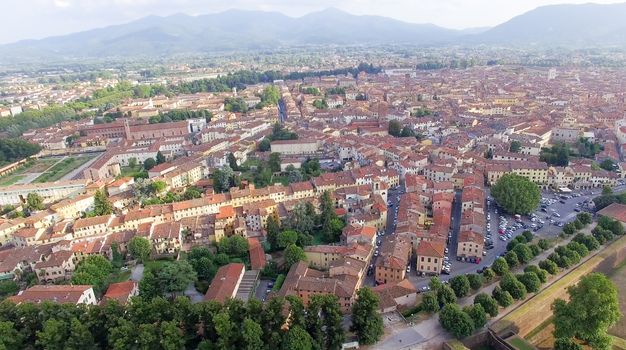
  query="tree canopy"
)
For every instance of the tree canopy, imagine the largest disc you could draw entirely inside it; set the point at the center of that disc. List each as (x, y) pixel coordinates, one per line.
(592, 309)
(516, 194)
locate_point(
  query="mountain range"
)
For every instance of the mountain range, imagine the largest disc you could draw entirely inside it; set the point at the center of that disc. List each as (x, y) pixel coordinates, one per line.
(566, 25)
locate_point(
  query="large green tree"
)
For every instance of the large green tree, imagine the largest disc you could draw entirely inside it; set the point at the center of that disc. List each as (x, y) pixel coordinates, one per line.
(456, 321)
(395, 128)
(366, 320)
(101, 204)
(293, 254)
(592, 309)
(139, 248)
(516, 194)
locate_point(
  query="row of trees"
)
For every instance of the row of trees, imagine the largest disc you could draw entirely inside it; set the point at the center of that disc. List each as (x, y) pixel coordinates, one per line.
(608, 197)
(521, 250)
(180, 114)
(156, 323)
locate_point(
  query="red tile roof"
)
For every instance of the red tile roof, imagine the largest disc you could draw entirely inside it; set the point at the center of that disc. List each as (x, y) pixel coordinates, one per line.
(225, 282)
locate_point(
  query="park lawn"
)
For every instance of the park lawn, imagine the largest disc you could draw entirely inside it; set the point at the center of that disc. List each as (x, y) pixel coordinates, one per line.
(156, 264)
(62, 168)
(130, 171)
(32, 166)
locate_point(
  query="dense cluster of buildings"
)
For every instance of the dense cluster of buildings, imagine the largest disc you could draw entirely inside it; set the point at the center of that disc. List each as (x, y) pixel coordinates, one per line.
(465, 123)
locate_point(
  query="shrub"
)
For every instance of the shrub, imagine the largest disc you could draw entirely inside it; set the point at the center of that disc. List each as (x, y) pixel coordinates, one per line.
(430, 302)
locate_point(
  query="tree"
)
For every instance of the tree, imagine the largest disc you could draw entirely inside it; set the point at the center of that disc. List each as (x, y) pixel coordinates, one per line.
(569, 228)
(435, 283)
(274, 162)
(251, 333)
(543, 244)
(139, 248)
(160, 158)
(549, 266)
(286, 238)
(297, 339)
(584, 218)
(489, 304)
(34, 201)
(488, 275)
(300, 220)
(592, 309)
(429, 302)
(541, 273)
(273, 229)
(176, 276)
(10, 337)
(455, 321)
(367, 322)
(515, 147)
(149, 163)
(93, 270)
(294, 254)
(293, 175)
(460, 285)
(500, 266)
(232, 161)
(516, 194)
(589, 241)
(477, 313)
(80, 337)
(503, 297)
(8, 288)
(265, 145)
(235, 246)
(395, 128)
(510, 284)
(407, 132)
(530, 280)
(475, 281)
(53, 335)
(445, 295)
(511, 259)
(101, 203)
(523, 252)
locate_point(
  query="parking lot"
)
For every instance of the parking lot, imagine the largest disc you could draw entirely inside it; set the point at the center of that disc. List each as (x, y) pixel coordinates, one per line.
(558, 212)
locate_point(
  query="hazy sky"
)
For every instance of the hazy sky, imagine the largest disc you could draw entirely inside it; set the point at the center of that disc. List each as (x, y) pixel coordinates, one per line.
(27, 19)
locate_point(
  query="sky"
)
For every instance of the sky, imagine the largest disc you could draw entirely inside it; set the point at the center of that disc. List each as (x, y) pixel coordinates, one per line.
(35, 19)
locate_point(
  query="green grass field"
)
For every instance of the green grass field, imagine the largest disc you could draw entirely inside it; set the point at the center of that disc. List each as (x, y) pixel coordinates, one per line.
(62, 168)
(31, 167)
